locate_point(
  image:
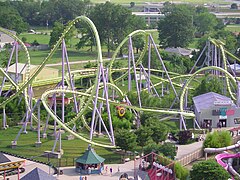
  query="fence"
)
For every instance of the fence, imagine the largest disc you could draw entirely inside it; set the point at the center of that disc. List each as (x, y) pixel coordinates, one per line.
(236, 139)
(191, 157)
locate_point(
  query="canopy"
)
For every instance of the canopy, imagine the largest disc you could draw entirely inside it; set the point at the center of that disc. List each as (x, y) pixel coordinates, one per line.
(90, 157)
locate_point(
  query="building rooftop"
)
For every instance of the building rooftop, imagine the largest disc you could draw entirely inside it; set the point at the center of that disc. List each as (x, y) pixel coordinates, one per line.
(38, 174)
(179, 50)
(207, 100)
(235, 67)
(3, 158)
(20, 69)
(90, 157)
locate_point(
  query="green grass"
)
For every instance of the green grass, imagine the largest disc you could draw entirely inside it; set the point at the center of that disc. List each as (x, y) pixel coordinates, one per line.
(233, 27)
(38, 56)
(72, 148)
(173, 124)
(41, 38)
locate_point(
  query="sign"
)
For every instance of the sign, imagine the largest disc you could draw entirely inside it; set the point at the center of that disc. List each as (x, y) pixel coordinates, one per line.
(223, 112)
(222, 117)
(230, 112)
(223, 103)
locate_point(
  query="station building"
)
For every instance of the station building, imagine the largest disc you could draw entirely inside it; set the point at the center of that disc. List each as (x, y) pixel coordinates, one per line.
(20, 69)
(212, 109)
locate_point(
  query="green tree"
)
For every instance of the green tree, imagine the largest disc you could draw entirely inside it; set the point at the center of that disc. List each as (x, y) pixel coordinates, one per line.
(28, 10)
(35, 43)
(159, 130)
(205, 22)
(176, 29)
(151, 147)
(125, 139)
(180, 171)
(217, 139)
(114, 22)
(234, 6)
(63, 11)
(208, 170)
(167, 7)
(143, 135)
(24, 39)
(132, 4)
(209, 84)
(58, 29)
(168, 149)
(10, 19)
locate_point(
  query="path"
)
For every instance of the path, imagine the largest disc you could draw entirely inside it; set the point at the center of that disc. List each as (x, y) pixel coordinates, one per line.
(29, 166)
(70, 174)
(184, 150)
(75, 62)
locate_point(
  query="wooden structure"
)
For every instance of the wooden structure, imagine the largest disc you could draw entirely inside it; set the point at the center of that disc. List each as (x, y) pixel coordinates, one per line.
(154, 167)
(10, 166)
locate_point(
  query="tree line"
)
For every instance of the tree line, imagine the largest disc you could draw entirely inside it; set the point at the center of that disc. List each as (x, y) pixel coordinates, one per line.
(18, 15)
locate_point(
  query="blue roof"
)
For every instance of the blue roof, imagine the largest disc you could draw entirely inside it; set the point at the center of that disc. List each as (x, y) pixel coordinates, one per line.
(205, 101)
(38, 174)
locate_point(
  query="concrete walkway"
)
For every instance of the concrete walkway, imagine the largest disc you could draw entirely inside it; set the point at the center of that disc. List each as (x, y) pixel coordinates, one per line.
(184, 150)
(128, 167)
(29, 166)
(70, 174)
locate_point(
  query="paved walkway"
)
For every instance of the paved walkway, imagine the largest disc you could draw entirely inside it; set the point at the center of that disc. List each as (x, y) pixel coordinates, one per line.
(128, 167)
(184, 150)
(29, 166)
(70, 174)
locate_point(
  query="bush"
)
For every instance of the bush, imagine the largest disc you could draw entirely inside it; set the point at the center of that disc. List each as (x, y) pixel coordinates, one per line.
(185, 137)
(152, 147)
(181, 172)
(168, 150)
(208, 170)
(217, 139)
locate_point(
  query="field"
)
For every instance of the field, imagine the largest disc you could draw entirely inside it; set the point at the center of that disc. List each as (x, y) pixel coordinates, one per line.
(72, 148)
(233, 28)
(41, 38)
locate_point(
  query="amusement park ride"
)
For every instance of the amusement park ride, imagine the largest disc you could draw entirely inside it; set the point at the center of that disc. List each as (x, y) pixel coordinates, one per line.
(105, 88)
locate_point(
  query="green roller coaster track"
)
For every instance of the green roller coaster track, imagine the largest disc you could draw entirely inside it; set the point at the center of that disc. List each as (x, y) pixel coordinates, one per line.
(87, 97)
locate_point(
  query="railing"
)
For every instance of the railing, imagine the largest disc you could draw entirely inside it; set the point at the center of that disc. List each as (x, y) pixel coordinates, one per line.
(236, 139)
(191, 157)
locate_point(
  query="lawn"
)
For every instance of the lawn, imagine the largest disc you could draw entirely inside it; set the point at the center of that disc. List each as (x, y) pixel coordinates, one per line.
(72, 148)
(37, 56)
(233, 27)
(41, 38)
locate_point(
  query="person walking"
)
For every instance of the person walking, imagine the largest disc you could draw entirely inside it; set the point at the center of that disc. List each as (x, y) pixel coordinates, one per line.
(106, 169)
(111, 171)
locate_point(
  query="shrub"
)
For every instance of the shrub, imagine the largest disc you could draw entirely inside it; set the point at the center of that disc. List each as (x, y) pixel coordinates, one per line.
(151, 147)
(217, 139)
(181, 172)
(168, 149)
(208, 170)
(185, 137)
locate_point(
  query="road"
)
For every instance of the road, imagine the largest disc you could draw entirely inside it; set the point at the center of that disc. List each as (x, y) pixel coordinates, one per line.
(75, 62)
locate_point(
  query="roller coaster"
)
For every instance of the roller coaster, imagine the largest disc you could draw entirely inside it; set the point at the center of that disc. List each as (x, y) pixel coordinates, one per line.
(106, 91)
